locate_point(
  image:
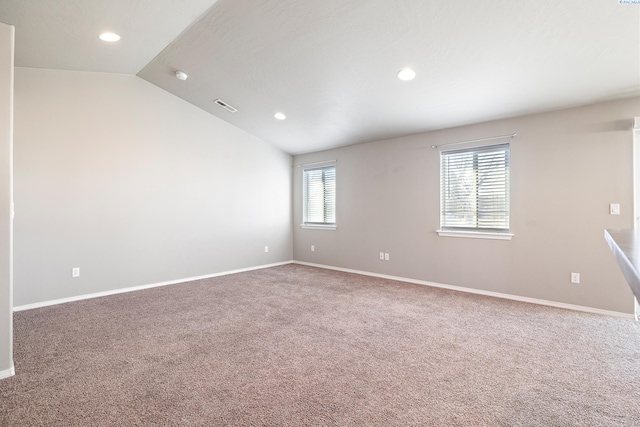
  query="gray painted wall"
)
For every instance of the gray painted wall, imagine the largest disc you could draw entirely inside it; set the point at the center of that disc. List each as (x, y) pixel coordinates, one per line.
(566, 167)
(135, 187)
(6, 126)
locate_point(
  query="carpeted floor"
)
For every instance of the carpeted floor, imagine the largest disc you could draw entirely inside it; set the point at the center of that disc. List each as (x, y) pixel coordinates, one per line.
(296, 346)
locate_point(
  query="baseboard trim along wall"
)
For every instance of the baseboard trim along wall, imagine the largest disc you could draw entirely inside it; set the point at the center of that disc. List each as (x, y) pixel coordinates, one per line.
(478, 291)
(141, 287)
(7, 373)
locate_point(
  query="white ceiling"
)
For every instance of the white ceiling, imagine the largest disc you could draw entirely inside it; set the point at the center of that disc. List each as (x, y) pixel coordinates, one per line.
(63, 34)
(331, 65)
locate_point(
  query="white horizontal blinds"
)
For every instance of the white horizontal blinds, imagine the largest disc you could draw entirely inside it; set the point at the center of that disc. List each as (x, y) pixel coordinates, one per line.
(320, 195)
(475, 189)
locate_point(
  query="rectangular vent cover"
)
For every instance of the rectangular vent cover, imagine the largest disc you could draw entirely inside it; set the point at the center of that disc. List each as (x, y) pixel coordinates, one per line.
(226, 106)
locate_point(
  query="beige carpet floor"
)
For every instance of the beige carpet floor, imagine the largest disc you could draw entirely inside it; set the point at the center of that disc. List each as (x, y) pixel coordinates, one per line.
(300, 346)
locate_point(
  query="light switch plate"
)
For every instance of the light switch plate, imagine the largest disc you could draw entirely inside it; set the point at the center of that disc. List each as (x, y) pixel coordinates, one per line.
(614, 209)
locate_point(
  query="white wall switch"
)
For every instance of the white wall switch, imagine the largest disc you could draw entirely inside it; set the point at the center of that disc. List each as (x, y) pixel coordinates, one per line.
(614, 209)
(382, 256)
(75, 272)
(575, 277)
(386, 257)
(266, 248)
(313, 248)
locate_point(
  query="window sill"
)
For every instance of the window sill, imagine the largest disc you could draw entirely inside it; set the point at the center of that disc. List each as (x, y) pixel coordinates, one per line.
(318, 227)
(475, 234)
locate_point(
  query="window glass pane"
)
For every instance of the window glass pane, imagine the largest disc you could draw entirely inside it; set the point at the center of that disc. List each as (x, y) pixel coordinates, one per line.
(475, 189)
(319, 186)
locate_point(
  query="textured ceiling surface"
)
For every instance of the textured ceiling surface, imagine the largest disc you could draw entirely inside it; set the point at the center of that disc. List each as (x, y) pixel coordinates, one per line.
(63, 34)
(331, 65)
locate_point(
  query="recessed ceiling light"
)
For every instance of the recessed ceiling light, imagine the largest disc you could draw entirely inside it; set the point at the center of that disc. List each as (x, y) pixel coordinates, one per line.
(279, 116)
(406, 74)
(109, 37)
(181, 75)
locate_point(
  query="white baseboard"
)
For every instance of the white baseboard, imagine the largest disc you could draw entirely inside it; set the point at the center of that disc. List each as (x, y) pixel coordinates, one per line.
(479, 291)
(328, 267)
(138, 288)
(7, 373)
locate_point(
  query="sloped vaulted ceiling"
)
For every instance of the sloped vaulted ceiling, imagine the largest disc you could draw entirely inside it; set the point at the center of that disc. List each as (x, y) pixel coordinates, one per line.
(331, 65)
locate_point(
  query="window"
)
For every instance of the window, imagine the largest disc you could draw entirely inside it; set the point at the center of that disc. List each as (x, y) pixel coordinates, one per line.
(474, 190)
(319, 188)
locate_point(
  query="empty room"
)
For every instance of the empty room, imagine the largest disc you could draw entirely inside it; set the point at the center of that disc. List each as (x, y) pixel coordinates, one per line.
(319, 213)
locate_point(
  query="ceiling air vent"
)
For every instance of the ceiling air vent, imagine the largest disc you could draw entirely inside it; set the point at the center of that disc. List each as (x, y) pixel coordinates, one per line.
(226, 106)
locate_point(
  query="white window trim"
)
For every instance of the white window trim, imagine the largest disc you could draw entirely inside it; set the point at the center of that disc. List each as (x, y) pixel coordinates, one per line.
(318, 226)
(311, 226)
(475, 234)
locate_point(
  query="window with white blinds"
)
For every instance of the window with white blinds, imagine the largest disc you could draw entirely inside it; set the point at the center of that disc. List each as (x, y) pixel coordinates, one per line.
(319, 188)
(474, 189)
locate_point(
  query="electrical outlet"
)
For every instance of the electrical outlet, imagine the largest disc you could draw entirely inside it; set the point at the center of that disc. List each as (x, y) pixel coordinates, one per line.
(266, 248)
(575, 277)
(75, 272)
(386, 257)
(313, 248)
(382, 256)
